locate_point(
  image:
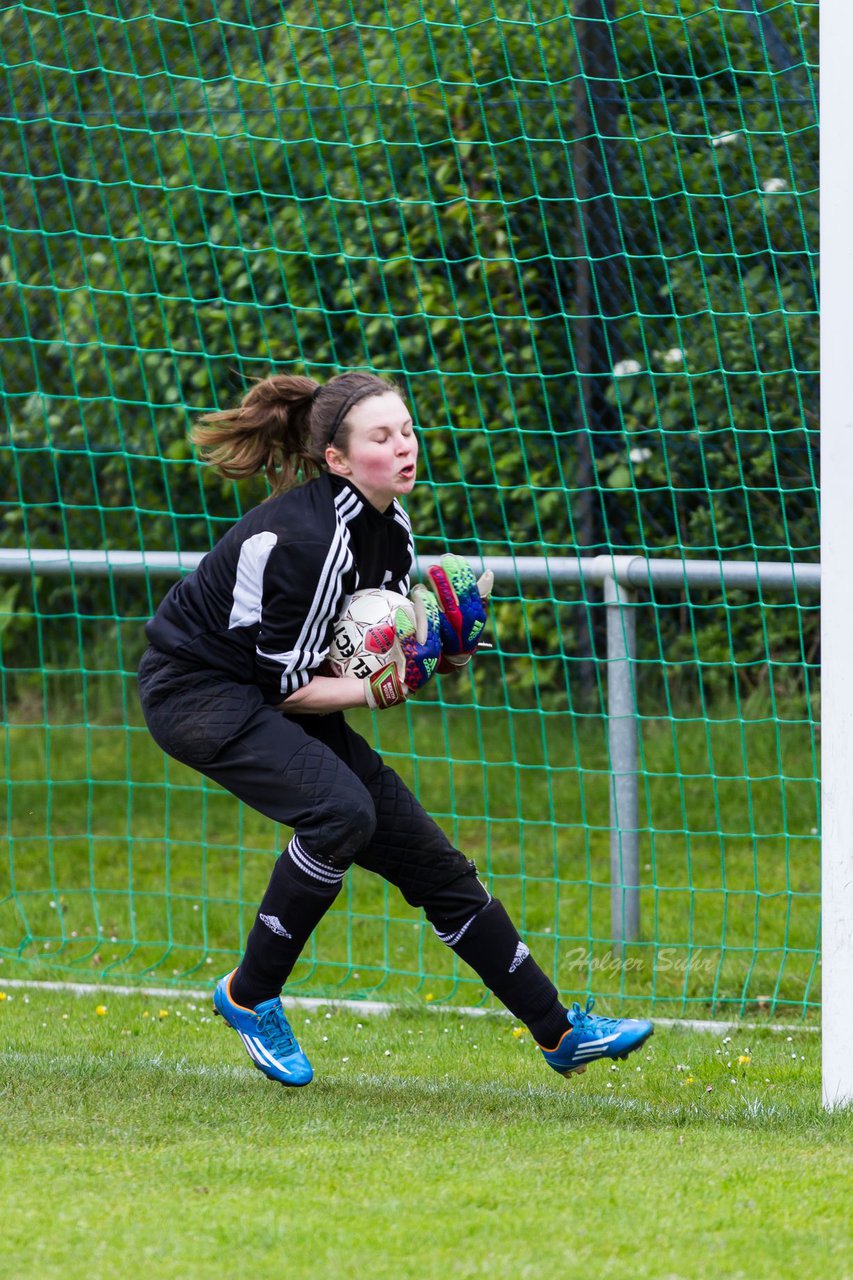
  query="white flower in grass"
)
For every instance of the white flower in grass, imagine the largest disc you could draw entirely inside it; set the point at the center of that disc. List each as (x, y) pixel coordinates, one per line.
(673, 355)
(640, 455)
(725, 139)
(771, 185)
(624, 368)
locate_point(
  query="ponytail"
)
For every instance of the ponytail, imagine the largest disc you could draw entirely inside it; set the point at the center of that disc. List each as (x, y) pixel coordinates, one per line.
(283, 426)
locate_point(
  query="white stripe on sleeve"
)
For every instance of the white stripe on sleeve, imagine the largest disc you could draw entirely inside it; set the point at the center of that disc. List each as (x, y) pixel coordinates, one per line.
(248, 589)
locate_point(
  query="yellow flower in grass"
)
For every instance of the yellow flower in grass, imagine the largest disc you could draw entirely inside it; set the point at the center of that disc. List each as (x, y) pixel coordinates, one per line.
(429, 996)
(2, 995)
(101, 1010)
(517, 1032)
(744, 1059)
(164, 1013)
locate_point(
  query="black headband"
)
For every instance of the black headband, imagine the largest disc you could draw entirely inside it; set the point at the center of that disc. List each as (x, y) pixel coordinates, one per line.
(351, 400)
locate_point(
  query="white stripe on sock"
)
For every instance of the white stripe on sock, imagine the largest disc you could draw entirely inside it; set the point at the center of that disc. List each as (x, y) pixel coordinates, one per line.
(317, 870)
(451, 939)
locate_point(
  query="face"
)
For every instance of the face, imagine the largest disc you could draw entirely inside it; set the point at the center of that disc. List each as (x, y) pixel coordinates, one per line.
(381, 451)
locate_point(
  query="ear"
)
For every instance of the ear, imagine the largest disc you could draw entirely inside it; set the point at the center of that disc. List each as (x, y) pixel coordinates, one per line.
(336, 462)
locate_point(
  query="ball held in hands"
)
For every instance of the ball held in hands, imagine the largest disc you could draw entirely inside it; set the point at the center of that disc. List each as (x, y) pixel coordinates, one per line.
(416, 652)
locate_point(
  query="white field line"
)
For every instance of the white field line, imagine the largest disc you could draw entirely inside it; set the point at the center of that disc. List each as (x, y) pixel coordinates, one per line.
(750, 1107)
(377, 1007)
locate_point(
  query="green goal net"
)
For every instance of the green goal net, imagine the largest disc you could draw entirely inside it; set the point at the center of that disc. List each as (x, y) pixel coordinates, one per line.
(582, 238)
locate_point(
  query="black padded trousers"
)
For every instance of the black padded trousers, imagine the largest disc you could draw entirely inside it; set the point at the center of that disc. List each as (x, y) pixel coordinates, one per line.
(314, 774)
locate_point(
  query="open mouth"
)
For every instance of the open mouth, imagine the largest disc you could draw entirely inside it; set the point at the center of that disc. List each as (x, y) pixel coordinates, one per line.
(407, 473)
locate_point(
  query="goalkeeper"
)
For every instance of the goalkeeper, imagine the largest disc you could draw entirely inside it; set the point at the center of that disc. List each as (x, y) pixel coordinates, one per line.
(233, 684)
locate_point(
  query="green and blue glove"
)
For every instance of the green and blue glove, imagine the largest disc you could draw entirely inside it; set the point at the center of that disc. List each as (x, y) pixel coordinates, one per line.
(462, 601)
(420, 640)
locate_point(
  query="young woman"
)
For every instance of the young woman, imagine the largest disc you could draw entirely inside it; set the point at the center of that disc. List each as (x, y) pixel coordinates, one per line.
(233, 684)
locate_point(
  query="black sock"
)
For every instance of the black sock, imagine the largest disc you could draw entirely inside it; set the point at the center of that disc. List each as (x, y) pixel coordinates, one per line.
(489, 942)
(300, 892)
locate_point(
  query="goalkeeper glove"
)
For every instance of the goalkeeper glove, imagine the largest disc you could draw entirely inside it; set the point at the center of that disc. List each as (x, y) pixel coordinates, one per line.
(420, 640)
(461, 598)
(419, 644)
(385, 688)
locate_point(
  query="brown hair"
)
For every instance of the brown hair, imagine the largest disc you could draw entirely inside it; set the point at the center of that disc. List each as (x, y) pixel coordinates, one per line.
(283, 426)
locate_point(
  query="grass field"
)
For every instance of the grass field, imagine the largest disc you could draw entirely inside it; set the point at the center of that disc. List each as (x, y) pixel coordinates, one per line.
(139, 1141)
(142, 1143)
(120, 864)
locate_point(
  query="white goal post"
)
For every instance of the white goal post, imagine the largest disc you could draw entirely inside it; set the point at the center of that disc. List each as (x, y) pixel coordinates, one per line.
(836, 423)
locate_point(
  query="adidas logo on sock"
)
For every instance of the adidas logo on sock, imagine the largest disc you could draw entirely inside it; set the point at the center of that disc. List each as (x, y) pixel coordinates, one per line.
(521, 953)
(273, 922)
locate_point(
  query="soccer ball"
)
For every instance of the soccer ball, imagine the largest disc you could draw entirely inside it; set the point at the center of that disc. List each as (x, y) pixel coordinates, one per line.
(363, 637)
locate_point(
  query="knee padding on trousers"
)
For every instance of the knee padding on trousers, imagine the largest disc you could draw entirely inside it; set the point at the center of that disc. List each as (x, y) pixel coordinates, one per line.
(452, 906)
(337, 817)
(340, 828)
(357, 828)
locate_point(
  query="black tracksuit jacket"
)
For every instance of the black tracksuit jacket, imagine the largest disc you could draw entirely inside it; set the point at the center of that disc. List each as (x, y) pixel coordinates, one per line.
(261, 604)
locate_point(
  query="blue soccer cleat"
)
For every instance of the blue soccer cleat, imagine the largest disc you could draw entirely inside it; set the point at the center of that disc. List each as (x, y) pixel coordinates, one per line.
(266, 1036)
(590, 1037)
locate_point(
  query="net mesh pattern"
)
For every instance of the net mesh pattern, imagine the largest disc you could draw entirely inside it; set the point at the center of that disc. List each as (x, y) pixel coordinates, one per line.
(583, 242)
